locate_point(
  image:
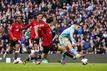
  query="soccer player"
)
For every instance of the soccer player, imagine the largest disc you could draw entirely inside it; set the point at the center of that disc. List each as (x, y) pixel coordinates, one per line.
(46, 36)
(15, 33)
(45, 33)
(34, 37)
(67, 41)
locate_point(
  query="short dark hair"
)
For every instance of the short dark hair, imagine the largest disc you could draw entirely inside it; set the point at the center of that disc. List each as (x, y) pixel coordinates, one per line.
(49, 19)
(16, 16)
(37, 13)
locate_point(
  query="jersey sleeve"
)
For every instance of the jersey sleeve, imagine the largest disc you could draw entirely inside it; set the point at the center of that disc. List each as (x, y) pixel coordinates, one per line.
(10, 31)
(28, 25)
(71, 36)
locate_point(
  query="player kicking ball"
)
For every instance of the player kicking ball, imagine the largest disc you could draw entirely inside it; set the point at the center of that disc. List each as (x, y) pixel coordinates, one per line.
(67, 41)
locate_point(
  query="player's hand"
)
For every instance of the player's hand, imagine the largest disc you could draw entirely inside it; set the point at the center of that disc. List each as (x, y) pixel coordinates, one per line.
(74, 45)
(79, 43)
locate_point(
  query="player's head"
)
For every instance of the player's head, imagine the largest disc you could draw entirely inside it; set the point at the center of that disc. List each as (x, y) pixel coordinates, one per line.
(38, 15)
(77, 26)
(17, 18)
(49, 20)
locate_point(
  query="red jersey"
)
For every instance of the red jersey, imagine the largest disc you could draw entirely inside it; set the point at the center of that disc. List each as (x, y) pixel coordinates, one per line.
(15, 30)
(33, 24)
(45, 33)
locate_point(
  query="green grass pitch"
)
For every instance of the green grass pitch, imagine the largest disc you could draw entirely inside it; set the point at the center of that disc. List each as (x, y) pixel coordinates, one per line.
(53, 67)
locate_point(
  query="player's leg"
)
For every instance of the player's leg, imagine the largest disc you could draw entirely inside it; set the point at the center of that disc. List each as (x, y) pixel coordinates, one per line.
(74, 51)
(31, 51)
(63, 58)
(63, 47)
(35, 55)
(17, 52)
(13, 45)
(45, 54)
(7, 50)
(44, 58)
(64, 50)
(30, 57)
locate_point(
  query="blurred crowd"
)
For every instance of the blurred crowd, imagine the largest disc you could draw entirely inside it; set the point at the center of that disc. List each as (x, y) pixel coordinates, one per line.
(91, 14)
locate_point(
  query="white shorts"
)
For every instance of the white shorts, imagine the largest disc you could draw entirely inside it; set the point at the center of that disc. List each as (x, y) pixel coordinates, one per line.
(64, 41)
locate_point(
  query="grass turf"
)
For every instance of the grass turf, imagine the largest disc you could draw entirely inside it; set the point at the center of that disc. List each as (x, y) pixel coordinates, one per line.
(53, 67)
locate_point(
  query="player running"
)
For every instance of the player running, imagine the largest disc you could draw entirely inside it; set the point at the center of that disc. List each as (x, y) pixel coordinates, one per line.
(67, 41)
(15, 34)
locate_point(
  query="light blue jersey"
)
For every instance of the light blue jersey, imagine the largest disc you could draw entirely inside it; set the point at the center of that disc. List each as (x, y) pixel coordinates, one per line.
(68, 33)
(66, 38)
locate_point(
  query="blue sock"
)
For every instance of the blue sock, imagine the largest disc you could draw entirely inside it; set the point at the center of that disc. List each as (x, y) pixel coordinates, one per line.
(62, 56)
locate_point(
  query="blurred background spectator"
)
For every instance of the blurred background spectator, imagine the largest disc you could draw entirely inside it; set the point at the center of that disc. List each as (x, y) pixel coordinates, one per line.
(91, 14)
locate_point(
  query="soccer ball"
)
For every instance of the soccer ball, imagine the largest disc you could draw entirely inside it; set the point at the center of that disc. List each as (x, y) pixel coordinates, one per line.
(84, 61)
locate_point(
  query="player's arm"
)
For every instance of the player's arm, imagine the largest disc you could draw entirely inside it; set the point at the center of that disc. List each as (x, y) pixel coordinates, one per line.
(36, 31)
(72, 37)
(28, 25)
(10, 30)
